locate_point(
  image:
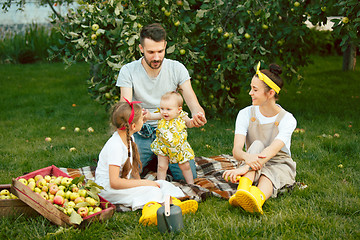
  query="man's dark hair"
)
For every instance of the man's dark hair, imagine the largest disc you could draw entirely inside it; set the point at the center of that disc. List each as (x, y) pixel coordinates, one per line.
(154, 32)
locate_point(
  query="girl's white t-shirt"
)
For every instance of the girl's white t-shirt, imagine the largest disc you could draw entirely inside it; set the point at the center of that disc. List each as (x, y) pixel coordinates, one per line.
(286, 126)
(115, 153)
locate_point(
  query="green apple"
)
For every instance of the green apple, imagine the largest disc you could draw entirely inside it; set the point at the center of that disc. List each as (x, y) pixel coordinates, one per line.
(82, 192)
(177, 23)
(44, 195)
(63, 128)
(220, 30)
(229, 46)
(23, 181)
(31, 180)
(93, 36)
(90, 129)
(91, 201)
(226, 35)
(32, 185)
(79, 200)
(47, 178)
(264, 26)
(37, 190)
(68, 194)
(95, 27)
(163, 9)
(4, 192)
(182, 51)
(45, 188)
(38, 177)
(97, 209)
(48, 139)
(179, 2)
(167, 13)
(345, 20)
(76, 129)
(60, 193)
(74, 195)
(323, 9)
(66, 181)
(71, 204)
(296, 4)
(40, 183)
(247, 36)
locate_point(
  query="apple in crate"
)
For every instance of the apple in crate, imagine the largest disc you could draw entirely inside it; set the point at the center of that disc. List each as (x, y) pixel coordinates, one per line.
(59, 200)
(83, 211)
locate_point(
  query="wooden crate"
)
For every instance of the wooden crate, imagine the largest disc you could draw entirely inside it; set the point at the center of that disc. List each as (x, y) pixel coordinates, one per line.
(14, 207)
(47, 209)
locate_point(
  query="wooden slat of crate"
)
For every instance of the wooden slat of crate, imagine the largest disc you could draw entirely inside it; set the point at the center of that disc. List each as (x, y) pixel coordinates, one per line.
(35, 201)
(47, 209)
(14, 207)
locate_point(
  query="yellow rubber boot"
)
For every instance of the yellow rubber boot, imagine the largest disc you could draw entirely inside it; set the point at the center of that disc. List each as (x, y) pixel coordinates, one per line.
(188, 206)
(251, 201)
(244, 184)
(149, 216)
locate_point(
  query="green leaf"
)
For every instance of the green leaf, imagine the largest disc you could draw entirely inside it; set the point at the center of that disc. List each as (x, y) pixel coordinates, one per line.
(75, 218)
(170, 49)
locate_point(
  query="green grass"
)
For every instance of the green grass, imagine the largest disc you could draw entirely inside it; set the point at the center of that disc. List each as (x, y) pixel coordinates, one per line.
(36, 100)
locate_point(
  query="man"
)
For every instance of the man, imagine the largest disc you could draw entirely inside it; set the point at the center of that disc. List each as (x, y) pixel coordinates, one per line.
(147, 79)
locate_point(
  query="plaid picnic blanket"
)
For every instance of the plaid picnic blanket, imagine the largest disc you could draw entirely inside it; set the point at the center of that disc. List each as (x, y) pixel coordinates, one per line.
(209, 181)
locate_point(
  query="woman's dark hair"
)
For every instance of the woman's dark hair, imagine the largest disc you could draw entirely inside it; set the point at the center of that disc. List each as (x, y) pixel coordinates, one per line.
(154, 32)
(273, 73)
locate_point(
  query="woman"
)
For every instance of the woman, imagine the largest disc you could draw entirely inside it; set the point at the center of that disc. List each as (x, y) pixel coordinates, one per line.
(265, 128)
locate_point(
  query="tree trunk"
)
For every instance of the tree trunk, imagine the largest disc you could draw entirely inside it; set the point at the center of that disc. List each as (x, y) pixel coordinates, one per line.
(349, 57)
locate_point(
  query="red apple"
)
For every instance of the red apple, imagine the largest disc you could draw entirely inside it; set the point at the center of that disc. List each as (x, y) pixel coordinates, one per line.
(53, 189)
(59, 200)
(83, 211)
(79, 200)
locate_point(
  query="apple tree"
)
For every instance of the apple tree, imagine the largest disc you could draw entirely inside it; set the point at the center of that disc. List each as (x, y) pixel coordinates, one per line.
(348, 28)
(219, 41)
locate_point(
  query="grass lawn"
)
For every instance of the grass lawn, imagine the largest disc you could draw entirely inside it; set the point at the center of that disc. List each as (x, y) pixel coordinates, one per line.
(37, 100)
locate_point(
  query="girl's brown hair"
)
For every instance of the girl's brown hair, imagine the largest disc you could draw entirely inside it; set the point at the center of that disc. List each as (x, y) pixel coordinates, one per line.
(120, 115)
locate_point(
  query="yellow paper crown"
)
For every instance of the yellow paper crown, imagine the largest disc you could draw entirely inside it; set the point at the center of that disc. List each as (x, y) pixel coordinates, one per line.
(267, 80)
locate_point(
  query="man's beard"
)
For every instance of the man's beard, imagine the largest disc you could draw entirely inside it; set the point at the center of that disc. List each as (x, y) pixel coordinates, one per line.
(149, 63)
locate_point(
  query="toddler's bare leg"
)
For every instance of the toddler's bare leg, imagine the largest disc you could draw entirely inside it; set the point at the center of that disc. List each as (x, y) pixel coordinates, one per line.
(186, 170)
(163, 164)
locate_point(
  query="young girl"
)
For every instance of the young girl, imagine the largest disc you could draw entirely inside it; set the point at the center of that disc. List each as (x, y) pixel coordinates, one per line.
(118, 169)
(265, 128)
(171, 145)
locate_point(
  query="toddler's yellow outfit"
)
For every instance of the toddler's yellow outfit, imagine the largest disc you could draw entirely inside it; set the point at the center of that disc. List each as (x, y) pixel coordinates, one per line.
(171, 140)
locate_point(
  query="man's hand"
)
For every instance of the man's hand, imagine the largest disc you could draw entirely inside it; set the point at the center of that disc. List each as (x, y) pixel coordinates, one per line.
(199, 120)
